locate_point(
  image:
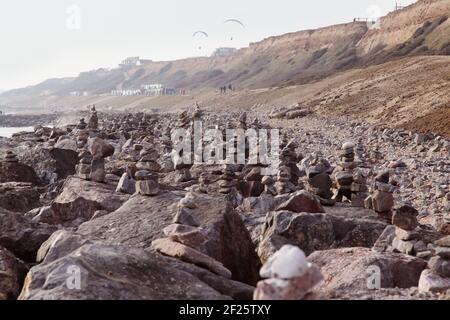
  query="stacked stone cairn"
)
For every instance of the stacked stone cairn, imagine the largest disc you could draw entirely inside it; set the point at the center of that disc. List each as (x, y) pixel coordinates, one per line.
(344, 178)
(183, 120)
(436, 279)
(284, 184)
(83, 169)
(147, 183)
(204, 181)
(359, 189)
(11, 157)
(148, 160)
(381, 198)
(289, 276)
(186, 240)
(126, 183)
(227, 181)
(93, 120)
(319, 181)
(290, 158)
(407, 233)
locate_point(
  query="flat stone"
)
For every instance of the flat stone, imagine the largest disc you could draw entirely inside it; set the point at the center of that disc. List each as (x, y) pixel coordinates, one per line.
(432, 282)
(405, 217)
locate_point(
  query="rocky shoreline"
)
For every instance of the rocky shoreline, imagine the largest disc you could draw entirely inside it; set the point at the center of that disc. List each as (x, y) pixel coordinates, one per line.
(104, 208)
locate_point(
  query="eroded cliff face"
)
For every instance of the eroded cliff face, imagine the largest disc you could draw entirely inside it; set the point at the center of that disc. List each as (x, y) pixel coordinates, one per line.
(399, 26)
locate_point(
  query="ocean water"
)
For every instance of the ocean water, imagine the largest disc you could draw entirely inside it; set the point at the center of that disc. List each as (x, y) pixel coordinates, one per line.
(8, 132)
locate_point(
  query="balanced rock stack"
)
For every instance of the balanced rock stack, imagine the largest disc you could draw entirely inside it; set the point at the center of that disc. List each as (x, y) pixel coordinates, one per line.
(381, 199)
(203, 182)
(407, 234)
(319, 181)
(147, 183)
(437, 277)
(290, 158)
(148, 160)
(93, 120)
(183, 120)
(83, 169)
(284, 184)
(126, 183)
(82, 124)
(227, 181)
(11, 157)
(289, 276)
(186, 240)
(359, 189)
(344, 178)
(100, 149)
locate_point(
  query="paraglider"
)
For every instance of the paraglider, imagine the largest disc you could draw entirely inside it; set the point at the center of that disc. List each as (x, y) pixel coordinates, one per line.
(200, 34)
(236, 22)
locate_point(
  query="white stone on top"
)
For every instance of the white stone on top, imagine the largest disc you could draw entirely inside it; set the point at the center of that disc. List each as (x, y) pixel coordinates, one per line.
(287, 263)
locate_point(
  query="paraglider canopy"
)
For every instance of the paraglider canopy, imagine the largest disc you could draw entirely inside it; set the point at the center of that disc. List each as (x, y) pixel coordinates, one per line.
(235, 21)
(197, 33)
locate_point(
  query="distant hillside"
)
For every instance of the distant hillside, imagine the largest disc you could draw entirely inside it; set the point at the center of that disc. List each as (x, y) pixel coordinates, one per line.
(296, 58)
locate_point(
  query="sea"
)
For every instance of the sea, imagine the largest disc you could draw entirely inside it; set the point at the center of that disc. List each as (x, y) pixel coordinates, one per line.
(9, 131)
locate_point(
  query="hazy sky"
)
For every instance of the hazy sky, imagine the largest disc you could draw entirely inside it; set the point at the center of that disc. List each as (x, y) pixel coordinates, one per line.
(47, 38)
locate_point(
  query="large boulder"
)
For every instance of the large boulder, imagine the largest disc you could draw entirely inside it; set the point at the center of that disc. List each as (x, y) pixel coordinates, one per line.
(19, 196)
(68, 214)
(63, 242)
(50, 164)
(316, 231)
(302, 201)
(101, 193)
(21, 236)
(105, 272)
(350, 269)
(141, 220)
(17, 172)
(12, 273)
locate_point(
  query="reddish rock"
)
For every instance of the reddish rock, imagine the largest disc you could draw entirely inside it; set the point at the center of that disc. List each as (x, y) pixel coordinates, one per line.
(302, 201)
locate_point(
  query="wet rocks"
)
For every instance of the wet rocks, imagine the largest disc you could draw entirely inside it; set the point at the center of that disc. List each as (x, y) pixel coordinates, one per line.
(290, 276)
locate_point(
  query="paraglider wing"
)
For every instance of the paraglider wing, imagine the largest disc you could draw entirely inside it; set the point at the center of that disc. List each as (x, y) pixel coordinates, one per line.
(197, 33)
(235, 21)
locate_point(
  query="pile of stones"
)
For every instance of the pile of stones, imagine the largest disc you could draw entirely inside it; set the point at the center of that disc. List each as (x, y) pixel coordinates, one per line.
(437, 277)
(407, 234)
(319, 182)
(359, 189)
(11, 157)
(83, 169)
(344, 178)
(288, 276)
(147, 183)
(228, 180)
(284, 184)
(381, 198)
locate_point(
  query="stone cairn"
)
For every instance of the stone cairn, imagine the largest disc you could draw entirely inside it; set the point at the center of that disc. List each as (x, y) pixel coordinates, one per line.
(289, 158)
(148, 160)
(93, 120)
(203, 182)
(82, 134)
(284, 184)
(11, 157)
(289, 276)
(406, 238)
(319, 181)
(83, 169)
(381, 198)
(147, 183)
(126, 183)
(437, 277)
(359, 189)
(183, 120)
(184, 214)
(227, 181)
(344, 178)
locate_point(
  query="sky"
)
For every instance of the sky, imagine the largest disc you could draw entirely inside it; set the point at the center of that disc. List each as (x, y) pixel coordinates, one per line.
(52, 39)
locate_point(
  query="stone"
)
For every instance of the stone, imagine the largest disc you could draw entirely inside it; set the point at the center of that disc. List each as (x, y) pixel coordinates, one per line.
(383, 177)
(443, 242)
(147, 187)
(19, 196)
(18, 172)
(406, 235)
(302, 201)
(115, 273)
(405, 217)
(382, 201)
(21, 236)
(406, 247)
(190, 255)
(349, 268)
(126, 184)
(190, 236)
(98, 171)
(184, 216)
(12, 273)
(432, 282)
(440, 266)
(293, 289)
(287, 263)
(100, 149)
(443, 252)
